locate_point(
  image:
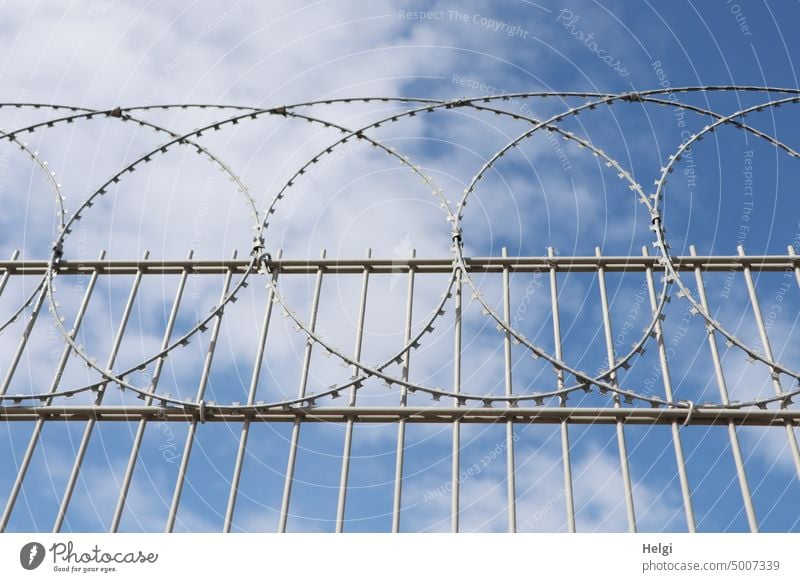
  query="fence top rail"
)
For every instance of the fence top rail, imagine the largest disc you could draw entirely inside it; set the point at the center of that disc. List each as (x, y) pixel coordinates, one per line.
(520, 264)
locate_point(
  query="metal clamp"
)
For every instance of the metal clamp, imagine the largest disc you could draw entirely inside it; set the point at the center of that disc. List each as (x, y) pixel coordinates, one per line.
(688, 418)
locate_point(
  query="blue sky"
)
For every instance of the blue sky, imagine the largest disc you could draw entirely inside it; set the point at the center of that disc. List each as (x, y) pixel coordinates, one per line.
(547, 192)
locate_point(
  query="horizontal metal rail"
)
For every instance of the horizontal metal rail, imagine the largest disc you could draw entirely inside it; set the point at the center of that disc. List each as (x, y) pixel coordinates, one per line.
(545, 415)
(419, 265)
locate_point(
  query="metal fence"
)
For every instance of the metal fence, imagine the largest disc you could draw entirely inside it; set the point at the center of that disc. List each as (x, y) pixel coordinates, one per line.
(617, 394)
(510, 408)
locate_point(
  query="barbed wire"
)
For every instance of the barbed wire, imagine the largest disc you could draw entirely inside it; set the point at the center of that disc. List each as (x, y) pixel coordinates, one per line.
(260, 260)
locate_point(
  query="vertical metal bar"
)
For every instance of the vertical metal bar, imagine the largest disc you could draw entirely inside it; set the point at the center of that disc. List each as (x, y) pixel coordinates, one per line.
(510, 465)
(456, 454)
(251, 397)
(37, 428)
(623, 449)
(348, 431)
(301, 392)
(187, 447)
(565, 453)
(23, 342)
(137, 440)
(765, 344)
(723, 393)
(87, 431)
(401, 423)
(792, 254)
(683, 478)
